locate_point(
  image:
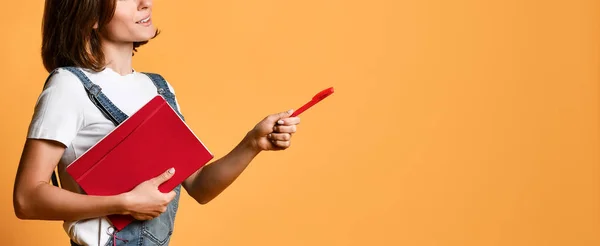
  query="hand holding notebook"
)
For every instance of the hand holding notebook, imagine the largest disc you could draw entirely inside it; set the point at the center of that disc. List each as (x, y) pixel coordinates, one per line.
(151, 141)
(145, 201)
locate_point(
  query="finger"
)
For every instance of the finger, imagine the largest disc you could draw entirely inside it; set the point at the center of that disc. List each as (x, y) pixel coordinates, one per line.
(146, 216)
(163, 177)
(280, 137)
(155, 213)
(284, 129)
(282, 144)
(289, 121)
(143, 217)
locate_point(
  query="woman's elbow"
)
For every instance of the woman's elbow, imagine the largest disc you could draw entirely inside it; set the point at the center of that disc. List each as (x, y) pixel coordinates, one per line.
(21, 211)
(22, 206)
(202, 200)
(199, 195)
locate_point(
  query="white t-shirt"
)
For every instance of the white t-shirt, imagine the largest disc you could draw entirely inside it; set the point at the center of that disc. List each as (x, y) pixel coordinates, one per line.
(65, 113)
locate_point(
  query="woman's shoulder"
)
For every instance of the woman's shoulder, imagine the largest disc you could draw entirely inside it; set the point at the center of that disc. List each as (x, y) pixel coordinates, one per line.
(63, 85)
(62, 78)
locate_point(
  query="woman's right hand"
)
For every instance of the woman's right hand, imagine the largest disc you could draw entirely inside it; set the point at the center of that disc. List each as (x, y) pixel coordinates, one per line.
(145, 201)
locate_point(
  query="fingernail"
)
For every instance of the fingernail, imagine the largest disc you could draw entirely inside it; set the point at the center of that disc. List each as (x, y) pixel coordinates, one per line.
(172, 170)
(290, 111)
(280, 122)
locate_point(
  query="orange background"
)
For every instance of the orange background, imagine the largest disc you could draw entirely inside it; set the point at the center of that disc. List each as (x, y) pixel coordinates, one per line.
(453, 122)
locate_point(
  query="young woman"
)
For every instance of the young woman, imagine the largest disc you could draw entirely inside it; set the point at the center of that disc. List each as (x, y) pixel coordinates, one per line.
(89, 44)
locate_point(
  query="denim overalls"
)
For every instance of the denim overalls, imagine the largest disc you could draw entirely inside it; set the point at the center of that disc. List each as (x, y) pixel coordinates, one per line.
(151, 232)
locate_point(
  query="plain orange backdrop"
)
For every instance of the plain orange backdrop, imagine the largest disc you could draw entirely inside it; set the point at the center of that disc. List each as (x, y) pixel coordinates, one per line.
(453, 123)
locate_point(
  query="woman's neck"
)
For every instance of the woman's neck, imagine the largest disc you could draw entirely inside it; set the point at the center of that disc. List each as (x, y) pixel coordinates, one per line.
(118, 57)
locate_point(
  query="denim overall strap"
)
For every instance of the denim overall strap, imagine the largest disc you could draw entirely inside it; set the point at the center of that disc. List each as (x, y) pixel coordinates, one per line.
(164, 91)
(94, 91)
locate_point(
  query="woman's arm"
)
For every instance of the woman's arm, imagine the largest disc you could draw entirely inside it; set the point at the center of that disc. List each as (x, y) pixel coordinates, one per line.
(35, 199)
(212, 179)
(272, 133)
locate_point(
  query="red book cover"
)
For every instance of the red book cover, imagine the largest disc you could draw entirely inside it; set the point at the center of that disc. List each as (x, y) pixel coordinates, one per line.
(148, 143)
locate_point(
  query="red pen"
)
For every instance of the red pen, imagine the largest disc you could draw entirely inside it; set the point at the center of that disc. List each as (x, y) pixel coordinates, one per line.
(317, 98)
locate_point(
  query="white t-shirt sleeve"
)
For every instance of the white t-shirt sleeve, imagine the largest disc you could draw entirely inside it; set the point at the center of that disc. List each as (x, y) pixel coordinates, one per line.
(58, 113)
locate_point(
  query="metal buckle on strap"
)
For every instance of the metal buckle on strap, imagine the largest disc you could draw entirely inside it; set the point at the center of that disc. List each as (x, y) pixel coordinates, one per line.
(95, 89)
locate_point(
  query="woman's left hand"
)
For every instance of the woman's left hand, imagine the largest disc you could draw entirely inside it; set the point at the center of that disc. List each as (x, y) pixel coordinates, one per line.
(274, 132)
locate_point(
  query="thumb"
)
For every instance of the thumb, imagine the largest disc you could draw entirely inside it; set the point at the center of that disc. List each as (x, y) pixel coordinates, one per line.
(276, 117)
(163, 177)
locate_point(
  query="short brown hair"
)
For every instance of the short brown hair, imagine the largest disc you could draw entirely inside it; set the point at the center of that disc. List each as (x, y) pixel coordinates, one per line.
(68, 36)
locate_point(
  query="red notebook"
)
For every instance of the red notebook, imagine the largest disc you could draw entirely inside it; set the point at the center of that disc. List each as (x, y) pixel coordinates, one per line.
(148, 143)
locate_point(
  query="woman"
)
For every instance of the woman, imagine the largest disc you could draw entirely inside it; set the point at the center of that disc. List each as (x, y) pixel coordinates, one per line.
(94, 41)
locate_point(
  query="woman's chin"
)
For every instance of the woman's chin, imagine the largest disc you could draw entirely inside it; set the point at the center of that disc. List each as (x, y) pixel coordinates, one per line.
(143, 39)
(146, 36)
